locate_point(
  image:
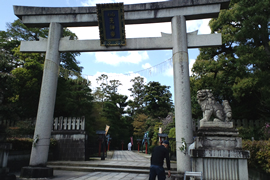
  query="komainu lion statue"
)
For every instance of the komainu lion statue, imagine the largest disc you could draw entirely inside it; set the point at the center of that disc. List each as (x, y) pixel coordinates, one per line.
(209, 106)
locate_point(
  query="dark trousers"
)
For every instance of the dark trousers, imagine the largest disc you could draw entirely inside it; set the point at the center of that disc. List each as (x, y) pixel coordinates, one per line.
(157, 171)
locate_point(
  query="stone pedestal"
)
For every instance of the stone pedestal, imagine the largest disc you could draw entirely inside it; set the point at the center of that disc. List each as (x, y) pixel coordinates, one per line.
(218, 153)
(36, 172)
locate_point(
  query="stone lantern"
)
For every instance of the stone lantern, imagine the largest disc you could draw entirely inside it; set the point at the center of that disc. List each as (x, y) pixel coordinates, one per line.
(101, 141)
(139, 141)
(162, 137)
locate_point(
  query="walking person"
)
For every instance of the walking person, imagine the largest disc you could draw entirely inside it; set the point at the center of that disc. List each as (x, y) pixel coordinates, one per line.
(129, 146)
(157, 160)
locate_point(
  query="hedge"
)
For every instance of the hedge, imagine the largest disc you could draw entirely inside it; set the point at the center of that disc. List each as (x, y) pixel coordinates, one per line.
(259, 154)
(25, 144)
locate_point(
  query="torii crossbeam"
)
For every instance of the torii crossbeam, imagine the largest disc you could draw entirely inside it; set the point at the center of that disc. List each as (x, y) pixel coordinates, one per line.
(174, 11)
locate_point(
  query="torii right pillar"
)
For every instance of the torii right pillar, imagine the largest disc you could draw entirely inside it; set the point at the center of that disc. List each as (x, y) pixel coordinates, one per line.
(182, 99)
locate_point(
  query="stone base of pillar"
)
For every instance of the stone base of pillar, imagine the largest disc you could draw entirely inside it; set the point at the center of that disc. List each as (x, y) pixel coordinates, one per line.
(7, 177)
(218, 154)
(36, 172)
(4, 170)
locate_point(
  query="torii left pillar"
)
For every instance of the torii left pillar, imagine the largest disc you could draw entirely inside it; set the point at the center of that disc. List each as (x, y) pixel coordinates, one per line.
(40, 148)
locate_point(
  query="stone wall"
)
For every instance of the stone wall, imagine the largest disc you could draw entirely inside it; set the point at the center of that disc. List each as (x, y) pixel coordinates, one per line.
(71, 139)
(71, 145)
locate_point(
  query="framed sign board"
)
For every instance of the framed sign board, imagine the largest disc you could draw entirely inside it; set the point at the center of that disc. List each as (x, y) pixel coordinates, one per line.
(111, 24)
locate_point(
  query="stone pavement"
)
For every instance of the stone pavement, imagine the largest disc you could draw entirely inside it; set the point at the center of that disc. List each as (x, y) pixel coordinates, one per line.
(119, 165)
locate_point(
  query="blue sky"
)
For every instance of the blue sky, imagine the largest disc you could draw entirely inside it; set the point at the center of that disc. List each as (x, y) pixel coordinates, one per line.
(117, 65)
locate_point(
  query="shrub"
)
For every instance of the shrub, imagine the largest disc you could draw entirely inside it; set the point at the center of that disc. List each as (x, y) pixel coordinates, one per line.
(22, 129)
(249, 132)
(172, 142)
(25, 144)
(259, 154)
(266, 131)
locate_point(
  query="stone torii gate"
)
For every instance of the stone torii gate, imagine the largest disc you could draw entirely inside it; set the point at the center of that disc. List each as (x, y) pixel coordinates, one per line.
(174, 11)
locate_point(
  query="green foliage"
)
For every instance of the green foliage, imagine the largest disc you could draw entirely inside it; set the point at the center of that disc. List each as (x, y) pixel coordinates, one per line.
(25, 75)
(172, 142)
(25, 144)
(250, 132)
(139, 125)
(259, 154)
(183, 148)
(7, 107)
(138, 93)
(22, 129)
(111, 108)
(239, 69)
(157, 99)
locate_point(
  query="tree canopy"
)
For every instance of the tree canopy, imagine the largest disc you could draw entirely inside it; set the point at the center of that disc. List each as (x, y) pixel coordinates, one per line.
(239, 70)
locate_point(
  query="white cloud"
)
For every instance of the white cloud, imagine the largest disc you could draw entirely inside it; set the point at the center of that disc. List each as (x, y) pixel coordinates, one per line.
(149, 69)
(201, 25)
(147, 30)
(113, 58)
(169, 71)
(146, 66)
(124, 79)
(85, 32)
(191, 62)
(205, 29)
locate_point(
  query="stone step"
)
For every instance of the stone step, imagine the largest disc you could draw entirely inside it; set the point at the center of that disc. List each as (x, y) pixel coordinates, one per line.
(100, 165)
(101, 169)
(81, 164)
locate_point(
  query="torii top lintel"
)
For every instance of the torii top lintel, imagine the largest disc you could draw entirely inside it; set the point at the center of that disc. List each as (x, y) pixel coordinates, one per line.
(134, 13)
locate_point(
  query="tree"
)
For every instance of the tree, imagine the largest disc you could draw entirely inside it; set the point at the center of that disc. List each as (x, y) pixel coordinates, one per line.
(238, 70)
(7, 108)
(73, 94)
(139, 125)
(137, 93)
(112, 106)
(157, 99)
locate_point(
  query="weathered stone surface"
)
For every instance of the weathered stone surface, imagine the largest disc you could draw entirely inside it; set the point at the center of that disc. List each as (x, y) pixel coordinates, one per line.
(213, 124)
(218, 142)
(154, 43)
(71, 145)
(28, 10)
(221, 168)
(221, 153)
(217, 132)
(183, 117)
(134, 14)
(211, 107)
(39, 153)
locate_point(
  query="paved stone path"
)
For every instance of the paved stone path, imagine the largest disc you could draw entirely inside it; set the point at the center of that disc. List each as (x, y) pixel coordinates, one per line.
(119, 158)
(111, 176)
